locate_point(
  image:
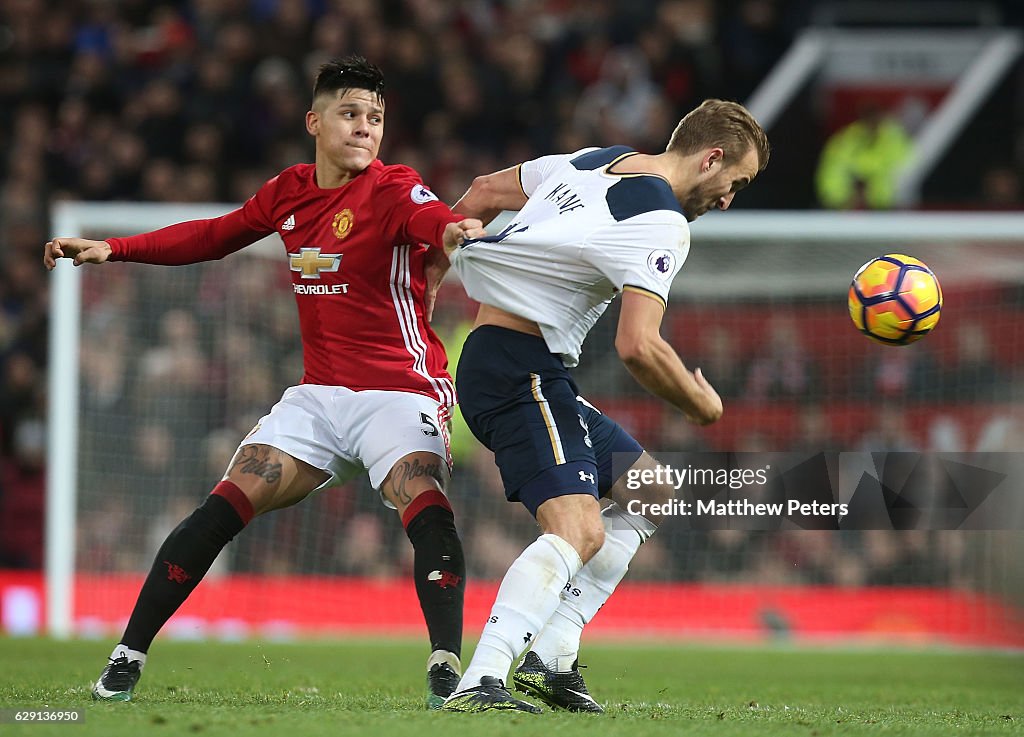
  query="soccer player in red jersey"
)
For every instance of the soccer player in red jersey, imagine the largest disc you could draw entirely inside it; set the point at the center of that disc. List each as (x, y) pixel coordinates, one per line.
(353, 230)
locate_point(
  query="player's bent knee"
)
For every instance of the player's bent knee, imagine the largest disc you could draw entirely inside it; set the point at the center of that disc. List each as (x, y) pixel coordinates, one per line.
(265, 499)
(591, 542)
(577, 520)
(259, 494)
(413, 475)
(586, 539)
(272, 479)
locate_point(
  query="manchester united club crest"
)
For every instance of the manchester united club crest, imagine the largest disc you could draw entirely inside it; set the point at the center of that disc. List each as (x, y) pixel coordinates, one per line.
(343, 223)
(444, 579)
(176, 573)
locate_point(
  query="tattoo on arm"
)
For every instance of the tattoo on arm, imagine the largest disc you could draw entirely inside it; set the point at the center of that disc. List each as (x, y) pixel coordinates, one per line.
(406, 471)
(256, 461)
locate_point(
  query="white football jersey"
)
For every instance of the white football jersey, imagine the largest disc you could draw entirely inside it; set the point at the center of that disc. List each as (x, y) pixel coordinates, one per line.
(583, 237)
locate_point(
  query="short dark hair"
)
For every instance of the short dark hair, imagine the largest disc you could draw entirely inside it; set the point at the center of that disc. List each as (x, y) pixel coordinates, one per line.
(350, 73)
(722, 124)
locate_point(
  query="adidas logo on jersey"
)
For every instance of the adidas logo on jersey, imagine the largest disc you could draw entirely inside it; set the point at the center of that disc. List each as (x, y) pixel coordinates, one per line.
(289, 223)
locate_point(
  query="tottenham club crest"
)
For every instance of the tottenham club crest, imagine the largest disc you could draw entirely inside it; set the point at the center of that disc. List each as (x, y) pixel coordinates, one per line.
(342, 223)
(662, 264)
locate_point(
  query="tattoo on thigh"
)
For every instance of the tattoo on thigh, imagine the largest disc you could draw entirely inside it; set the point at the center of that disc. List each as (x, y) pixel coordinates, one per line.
(406, 471)
(255, 461)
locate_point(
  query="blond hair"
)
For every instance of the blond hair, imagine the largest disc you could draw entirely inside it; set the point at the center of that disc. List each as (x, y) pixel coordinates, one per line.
(721, 124)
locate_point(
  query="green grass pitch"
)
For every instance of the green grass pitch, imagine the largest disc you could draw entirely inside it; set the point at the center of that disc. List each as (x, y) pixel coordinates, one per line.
(376, 688)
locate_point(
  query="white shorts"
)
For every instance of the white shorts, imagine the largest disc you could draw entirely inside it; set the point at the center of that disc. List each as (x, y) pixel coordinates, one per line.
(345, 433)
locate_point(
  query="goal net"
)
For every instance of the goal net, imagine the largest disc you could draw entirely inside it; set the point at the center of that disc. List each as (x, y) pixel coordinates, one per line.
(158, 372)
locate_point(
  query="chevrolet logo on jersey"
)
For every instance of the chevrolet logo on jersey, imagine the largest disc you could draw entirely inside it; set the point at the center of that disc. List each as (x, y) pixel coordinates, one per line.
(310, 262)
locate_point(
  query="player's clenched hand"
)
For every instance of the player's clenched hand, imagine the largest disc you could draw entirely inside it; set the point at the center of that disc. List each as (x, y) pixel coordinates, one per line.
(709, 404)
(82, 250)
(455, 234)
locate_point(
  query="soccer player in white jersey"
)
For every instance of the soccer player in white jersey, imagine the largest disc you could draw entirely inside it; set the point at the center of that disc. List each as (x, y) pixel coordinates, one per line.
(592, 225)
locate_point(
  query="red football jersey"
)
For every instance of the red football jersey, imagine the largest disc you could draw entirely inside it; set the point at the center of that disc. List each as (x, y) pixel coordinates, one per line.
(357, 268)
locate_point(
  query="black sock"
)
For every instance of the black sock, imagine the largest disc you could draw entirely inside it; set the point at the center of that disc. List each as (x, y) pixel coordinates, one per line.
(183, 560)
(439, 571)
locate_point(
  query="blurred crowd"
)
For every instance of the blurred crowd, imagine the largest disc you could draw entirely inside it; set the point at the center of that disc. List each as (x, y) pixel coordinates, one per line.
(203, 100)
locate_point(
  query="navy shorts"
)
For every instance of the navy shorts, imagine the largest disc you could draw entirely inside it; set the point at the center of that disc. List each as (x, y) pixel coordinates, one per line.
(519, 400)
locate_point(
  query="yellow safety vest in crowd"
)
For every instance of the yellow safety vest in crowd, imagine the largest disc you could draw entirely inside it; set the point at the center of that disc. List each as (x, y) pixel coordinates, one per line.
(855, 158)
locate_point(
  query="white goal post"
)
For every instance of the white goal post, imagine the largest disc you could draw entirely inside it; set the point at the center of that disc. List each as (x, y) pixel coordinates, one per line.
(97, 220)
(736, 254)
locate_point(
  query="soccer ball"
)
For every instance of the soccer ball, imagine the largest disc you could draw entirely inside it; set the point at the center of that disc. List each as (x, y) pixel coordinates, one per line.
(895, 299)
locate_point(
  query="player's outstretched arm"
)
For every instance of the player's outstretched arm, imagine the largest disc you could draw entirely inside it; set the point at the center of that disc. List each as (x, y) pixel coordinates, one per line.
(489, 194)
(656, 365)
(82, 250)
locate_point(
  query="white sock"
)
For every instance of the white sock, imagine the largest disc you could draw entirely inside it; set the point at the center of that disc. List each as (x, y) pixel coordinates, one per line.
(125, 651)
(559, 642)
(528, 595)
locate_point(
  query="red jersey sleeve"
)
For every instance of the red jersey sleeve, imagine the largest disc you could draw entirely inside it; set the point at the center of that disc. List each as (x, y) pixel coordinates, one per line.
(409, 212)
(201, 240)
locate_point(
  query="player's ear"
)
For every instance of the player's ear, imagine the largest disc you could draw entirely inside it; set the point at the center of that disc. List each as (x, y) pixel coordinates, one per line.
(312, 122)
(712, 157)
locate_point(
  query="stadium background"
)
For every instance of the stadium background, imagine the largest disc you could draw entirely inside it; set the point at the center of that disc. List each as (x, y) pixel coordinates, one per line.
(202, 101)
